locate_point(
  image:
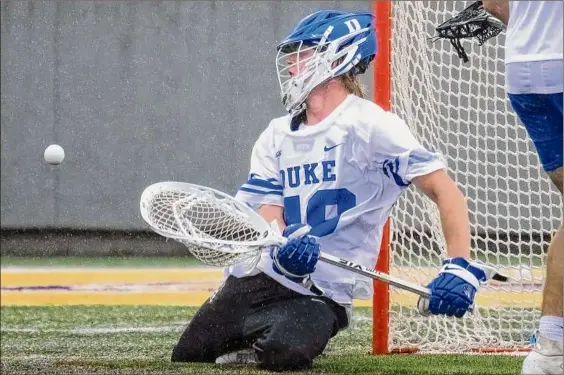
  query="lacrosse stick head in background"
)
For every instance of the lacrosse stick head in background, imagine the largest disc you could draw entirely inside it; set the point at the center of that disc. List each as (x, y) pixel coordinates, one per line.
(216, 228)
(473, 22)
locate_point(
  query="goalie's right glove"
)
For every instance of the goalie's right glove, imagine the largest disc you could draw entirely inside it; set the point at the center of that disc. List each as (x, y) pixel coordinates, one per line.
(298, 257)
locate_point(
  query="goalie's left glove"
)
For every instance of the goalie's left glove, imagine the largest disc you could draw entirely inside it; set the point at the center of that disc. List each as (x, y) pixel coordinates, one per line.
(453, 290)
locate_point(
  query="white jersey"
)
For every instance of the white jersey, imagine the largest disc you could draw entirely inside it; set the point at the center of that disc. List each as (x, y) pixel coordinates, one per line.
(534, 31)
(341, 176)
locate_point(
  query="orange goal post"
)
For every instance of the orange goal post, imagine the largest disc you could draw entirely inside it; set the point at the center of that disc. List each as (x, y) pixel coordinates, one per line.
(460, 110)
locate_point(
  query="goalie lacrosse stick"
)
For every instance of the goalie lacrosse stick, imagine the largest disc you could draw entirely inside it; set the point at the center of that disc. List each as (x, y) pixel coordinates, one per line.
(473, 22)
(221, 231)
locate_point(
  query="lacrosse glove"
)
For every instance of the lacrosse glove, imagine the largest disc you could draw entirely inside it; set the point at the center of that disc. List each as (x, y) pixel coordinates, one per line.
(453, 290)
(298, 257)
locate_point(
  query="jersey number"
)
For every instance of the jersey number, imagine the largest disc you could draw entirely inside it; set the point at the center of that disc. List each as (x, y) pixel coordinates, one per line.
(316, 207)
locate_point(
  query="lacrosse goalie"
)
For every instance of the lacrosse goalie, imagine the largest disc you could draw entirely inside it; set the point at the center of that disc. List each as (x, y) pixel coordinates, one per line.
(328, 175)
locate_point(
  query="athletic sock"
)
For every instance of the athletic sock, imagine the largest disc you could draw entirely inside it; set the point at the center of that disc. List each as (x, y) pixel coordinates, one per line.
(551, 327)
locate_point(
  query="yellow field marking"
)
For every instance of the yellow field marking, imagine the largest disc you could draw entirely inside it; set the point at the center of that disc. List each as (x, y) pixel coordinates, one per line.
(82, 276)
(103, 298)
(424, 275)
(78, 276)
(199, 282)
(196, 298)
(485, 298)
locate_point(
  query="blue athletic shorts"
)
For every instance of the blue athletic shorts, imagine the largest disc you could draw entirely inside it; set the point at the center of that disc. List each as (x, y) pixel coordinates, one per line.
(542, 116)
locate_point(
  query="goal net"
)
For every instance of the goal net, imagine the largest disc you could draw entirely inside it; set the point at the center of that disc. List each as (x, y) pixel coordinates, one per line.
(462, 111)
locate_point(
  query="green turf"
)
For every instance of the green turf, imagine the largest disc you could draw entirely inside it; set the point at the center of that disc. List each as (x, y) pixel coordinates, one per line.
(74, 261)
(54, 340)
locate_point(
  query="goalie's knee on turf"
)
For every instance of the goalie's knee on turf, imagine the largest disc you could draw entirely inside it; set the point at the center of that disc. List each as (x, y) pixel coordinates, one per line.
(278, 357)
(190, 354)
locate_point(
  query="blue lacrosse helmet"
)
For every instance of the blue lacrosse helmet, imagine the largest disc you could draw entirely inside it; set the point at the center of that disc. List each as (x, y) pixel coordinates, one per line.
(323, 45)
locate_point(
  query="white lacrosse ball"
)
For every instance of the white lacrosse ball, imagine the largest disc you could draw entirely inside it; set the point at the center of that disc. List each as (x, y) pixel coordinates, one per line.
(54, 154)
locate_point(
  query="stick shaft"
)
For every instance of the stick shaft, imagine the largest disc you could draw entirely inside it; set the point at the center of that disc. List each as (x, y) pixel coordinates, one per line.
(369, 272)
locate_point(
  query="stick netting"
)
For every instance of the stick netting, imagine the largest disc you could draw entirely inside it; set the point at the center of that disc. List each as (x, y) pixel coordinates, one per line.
(212, 225)
(462, 111)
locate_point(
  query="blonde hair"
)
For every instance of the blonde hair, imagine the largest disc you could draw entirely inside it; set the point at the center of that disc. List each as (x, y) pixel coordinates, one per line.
(352, 84)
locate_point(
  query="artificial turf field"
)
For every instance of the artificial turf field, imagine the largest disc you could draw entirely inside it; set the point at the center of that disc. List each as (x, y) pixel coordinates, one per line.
(137, 338)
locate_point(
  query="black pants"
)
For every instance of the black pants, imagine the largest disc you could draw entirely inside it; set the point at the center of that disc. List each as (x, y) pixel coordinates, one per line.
(287, 329)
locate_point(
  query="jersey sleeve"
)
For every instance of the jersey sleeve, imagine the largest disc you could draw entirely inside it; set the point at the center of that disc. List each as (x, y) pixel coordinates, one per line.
(397, 152)
(263, 184)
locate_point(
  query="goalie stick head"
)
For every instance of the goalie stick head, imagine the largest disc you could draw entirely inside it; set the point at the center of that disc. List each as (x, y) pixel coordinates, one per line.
(472, 22)
(216, 228)
(324, 45)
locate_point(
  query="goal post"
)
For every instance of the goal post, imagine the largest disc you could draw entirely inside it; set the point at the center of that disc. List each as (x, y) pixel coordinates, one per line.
(382, 92)
(460, 110)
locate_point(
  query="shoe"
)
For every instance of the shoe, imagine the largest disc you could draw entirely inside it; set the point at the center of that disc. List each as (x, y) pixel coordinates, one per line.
(239, 357)
(545, 358)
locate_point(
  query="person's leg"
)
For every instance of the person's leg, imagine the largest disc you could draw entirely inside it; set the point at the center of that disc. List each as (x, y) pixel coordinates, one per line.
(555, 172)
(286, 330)
(552, 293)
(546, 357)
(216, 328)
(552, 301)
(542, 117)
(291, 333)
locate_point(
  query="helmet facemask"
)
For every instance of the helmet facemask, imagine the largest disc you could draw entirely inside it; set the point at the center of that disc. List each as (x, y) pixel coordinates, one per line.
(312, 65)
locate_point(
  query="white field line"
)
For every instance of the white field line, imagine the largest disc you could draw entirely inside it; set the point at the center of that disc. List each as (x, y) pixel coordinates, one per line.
(177, 327)
(174, 327)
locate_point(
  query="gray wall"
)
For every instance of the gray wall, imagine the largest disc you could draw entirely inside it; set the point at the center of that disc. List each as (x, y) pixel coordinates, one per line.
(136, 93)
(140, 92)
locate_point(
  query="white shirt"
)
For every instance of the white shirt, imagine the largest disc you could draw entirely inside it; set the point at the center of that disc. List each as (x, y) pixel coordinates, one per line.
(534, 31)
(341, 176)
